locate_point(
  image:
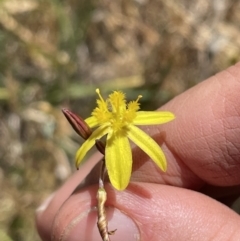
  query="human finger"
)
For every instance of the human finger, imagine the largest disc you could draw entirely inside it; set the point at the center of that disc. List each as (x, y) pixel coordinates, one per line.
(147, 212)
(45, 214)
(203, 142)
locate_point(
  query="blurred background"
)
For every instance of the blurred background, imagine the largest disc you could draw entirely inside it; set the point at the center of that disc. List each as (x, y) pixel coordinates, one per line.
(54, 53)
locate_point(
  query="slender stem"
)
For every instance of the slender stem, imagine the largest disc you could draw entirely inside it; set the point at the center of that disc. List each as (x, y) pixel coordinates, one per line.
(102, 173)
(102, 197)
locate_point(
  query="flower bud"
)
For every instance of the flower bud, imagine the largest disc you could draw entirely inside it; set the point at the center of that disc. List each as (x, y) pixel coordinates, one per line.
(78, 124)
(100, 146)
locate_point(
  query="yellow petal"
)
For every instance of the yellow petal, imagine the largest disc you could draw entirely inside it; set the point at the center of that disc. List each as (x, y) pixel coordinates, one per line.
(92, 121)
(152, 117)
(118, 156)
(148, 145)
(87, 145)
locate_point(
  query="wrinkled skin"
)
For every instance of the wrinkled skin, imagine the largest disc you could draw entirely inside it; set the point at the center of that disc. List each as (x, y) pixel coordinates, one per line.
(202, 146)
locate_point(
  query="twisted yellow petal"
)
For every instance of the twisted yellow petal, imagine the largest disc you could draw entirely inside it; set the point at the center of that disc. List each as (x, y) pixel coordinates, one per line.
(148, 145)
(92, 121)
(118, 159)
(87, 145)
(152, 117)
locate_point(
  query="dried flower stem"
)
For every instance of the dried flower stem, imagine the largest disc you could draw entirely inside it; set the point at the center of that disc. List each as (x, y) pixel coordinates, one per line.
(102, 197)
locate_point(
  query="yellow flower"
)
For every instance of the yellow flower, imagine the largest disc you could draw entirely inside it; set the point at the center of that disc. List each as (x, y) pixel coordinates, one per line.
(118, 119)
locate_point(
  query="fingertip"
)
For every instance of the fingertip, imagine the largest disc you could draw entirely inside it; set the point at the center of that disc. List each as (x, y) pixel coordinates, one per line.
(205, 134)
(77, 220)
(40, 218)
(47, 212)
(169, 212)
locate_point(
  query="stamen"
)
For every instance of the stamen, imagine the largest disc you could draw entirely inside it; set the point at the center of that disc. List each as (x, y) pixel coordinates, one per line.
(100, 96)
(138, 98)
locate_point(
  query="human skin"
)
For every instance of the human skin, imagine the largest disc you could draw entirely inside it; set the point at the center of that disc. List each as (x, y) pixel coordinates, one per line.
(202, 147)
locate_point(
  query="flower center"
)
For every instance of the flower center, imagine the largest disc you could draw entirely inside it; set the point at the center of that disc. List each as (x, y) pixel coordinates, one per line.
(115, 110)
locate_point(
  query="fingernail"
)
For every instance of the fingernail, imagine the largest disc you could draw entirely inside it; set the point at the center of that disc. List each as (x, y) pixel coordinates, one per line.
(45, 204)
(84, 227)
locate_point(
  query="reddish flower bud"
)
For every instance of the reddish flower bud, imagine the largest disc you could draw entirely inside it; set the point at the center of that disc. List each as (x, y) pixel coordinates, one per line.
(78, 124)
(100, 146)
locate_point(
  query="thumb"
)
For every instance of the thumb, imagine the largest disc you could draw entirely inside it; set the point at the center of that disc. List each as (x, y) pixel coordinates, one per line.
(147, 212)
